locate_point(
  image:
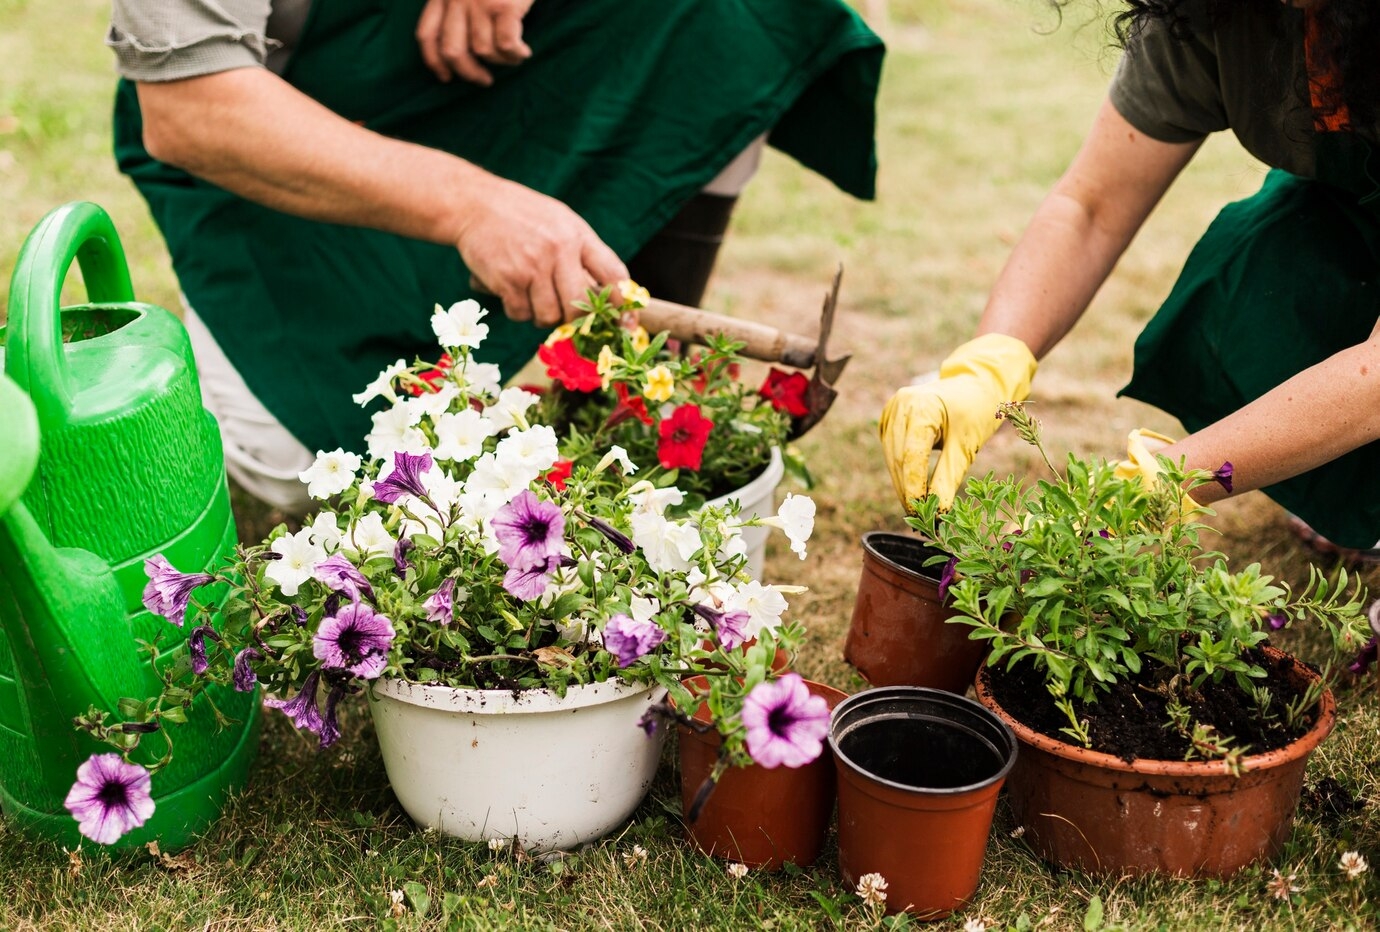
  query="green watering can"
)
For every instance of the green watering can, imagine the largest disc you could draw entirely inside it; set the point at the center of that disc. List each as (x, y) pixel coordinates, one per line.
(107, 457)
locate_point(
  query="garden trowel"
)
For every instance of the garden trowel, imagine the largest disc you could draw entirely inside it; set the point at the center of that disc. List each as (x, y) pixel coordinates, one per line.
(764, 343)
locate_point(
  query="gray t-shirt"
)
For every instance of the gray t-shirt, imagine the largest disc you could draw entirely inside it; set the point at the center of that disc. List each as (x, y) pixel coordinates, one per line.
(1244, 72)
(167, 40)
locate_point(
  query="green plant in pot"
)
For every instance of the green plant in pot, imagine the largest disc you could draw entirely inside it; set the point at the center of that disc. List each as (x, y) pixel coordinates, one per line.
(1133, 663)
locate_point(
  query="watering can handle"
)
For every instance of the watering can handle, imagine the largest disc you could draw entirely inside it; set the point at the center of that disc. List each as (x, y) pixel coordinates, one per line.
(34, 356)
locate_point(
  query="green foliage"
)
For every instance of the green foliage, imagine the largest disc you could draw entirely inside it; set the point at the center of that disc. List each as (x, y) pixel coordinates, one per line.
(1091, 577)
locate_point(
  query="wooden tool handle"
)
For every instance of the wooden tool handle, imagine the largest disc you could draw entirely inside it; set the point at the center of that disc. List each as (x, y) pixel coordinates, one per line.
(693, 325)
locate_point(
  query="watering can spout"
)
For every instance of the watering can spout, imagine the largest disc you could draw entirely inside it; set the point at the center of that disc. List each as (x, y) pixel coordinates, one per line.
(55, 605)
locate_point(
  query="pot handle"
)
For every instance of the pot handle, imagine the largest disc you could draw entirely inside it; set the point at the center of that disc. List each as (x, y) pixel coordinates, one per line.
(34, 354)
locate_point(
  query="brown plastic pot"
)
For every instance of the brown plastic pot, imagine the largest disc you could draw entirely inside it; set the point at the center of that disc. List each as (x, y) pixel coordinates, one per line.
(899, 635)
(1095, 812)
(757, 816)
(919, 771)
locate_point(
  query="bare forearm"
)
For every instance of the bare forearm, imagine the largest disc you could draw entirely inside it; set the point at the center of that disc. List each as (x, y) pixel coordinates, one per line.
(1313, 418)
(250, 132)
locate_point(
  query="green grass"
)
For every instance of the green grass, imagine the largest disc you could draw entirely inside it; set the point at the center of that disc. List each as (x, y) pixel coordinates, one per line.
(984, 102)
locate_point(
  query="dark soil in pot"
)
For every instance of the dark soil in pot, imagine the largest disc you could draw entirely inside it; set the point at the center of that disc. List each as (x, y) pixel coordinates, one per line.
(1129, 721)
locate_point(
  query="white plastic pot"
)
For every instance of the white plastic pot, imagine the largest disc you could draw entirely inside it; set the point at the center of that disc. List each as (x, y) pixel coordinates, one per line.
(545, 771)
(757, 499)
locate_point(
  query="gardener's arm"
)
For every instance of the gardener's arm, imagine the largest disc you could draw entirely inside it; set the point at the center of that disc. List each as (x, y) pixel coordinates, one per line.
(1080, 231)
(1316, 416)
(250, 132)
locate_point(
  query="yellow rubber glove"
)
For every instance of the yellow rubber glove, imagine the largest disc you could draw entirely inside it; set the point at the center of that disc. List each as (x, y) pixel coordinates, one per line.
(954, 415)
(1141, 446)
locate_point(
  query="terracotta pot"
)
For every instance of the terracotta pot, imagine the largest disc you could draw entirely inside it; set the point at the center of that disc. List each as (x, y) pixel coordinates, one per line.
(1098, 813)
(757, 816)
(899, 635)
(919, 772)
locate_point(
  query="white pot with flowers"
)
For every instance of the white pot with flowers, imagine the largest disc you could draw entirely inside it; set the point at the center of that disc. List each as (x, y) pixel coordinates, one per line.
(510, 620)
(684, 418)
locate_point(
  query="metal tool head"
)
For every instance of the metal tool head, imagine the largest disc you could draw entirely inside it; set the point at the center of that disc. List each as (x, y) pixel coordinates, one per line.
(820, 395)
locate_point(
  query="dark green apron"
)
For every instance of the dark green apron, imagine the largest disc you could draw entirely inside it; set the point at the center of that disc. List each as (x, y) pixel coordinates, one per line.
(626, 109)
(1279, 282)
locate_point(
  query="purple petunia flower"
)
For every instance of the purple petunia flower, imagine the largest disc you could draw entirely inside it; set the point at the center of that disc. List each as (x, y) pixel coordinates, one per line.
(618, 538)
(340, 575)
(786, 725)
(244, 675)
(405, 479)
(528, 531)
(946, 578)
(169, 592)
(628, 639)
(110, 798)
(196, 643)
(1276, 621)
(440, 605)
(400, 550)
(1365, 657)
(355, 640)
(1223, 476)
(299, 615)
(729, 627)
(531, 583)
(301, 709)
(330, 725)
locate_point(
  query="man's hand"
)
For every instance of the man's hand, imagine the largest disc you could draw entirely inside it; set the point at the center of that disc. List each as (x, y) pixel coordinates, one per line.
(458, 36)
(536, 254)
(955, 415)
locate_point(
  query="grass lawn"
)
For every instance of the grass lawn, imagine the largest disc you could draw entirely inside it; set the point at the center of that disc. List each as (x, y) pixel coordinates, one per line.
(983, 104)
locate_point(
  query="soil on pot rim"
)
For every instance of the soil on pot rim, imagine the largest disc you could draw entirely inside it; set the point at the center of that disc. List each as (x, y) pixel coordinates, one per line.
(1130, 722)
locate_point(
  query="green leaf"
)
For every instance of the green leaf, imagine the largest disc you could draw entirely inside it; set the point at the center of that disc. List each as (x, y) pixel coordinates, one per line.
(1092, 919)
(417, 897)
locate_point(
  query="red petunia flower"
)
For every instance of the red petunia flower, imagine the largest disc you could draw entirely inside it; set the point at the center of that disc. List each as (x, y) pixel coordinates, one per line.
(567, 366)
(683, 436)
(559, 473)
(628, 406)
(786, 392)
(433, 377)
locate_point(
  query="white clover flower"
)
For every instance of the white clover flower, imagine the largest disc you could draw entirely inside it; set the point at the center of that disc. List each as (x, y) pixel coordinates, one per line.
(974, 925)
(393, 433)
(325, 530)
(510, 410)
(872, 889)
(616, 454)
(737, 871)
(1353, 864)
(382, 386)
(796, 517)
(478, 378)
(368, 537)
(395, 904)
(1282, 886)
(533, 450)
(331, 473)
(298, 555)
(764, 605)
(648, 498)
(459, 325)
(635, 858)
(498, 844)
(460, 435)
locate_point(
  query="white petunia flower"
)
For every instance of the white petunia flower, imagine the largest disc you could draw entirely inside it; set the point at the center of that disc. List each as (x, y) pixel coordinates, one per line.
(460, 436)
(533, 450)
(510, 410)
(667, 545)
(648, 498)
(459, 325)
(616, 454)
(382, 386)
(331, 473)
(368, 537)
(500, 482)
(764, 605)
(796, 517)
(298, 555)
(430, 404)
(325, 531)
(479, 378)
(643, 609)
(392, 433)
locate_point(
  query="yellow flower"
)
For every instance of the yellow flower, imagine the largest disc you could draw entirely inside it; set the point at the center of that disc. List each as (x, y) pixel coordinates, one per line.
(606, 362)
(640, 340)
(660, 384)
(634, 295)
(563, 332)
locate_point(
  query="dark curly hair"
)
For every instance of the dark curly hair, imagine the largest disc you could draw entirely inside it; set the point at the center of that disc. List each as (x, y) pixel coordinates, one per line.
(1348, 34)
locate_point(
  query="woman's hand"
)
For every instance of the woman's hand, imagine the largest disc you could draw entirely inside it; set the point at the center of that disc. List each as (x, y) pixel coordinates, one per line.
(457, 37)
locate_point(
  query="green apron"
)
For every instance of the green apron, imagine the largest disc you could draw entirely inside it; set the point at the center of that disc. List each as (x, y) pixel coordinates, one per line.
(1279, 282)
(625, 110)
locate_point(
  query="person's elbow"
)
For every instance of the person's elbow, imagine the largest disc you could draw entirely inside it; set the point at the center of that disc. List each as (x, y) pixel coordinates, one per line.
(169, 126)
